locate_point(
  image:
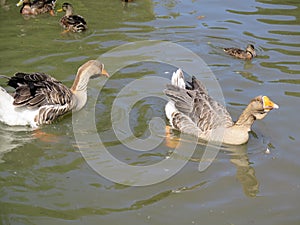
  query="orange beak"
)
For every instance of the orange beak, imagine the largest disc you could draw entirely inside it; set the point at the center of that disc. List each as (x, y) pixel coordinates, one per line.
(268, 104)
(104, 73)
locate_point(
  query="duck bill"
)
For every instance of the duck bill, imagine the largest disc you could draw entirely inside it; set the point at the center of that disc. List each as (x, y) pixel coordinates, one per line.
(19, 3)
(59, 10)
(268, 104)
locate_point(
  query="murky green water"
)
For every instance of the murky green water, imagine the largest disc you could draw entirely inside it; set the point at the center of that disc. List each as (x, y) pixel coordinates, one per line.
(44, 178)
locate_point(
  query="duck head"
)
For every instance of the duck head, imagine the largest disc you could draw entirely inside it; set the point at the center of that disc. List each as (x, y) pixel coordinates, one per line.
(250, 48)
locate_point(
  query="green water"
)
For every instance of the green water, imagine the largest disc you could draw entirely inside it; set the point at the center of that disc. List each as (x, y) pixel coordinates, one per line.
(44, 177)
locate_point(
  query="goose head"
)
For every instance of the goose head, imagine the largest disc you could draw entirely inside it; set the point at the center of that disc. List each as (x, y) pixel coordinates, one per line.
(90, 69)
(260, 106)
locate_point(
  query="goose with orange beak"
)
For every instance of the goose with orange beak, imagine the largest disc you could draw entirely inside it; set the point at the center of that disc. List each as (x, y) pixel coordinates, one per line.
(41, 99)
(193, 111)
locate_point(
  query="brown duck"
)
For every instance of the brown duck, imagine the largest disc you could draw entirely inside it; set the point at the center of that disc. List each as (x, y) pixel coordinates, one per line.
(71, 22)
(37, 7)
(249, 53)
(191, 110)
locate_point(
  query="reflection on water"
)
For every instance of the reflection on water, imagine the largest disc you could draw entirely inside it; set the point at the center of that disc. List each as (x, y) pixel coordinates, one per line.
(249, 76)
(245, 173)
(12, 138)
(290, 93)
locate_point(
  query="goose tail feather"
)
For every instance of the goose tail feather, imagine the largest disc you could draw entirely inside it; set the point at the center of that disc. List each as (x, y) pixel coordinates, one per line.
(178, 79)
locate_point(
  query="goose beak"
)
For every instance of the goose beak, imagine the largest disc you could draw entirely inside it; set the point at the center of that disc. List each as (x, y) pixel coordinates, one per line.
(19, 3)
(268, 104)
(104, 73)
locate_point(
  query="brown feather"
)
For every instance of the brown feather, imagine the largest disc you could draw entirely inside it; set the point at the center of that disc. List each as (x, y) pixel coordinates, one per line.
(39, 89)
(48, 95)
(199, 107)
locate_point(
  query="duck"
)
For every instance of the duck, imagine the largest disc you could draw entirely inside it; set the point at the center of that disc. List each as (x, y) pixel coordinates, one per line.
(37, 7)
(193, 111)
(249, 53)
(40, 99)
(71, 22)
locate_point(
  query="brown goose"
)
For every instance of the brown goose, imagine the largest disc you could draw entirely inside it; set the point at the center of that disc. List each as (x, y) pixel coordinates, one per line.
(40, 98)
(191, 110)
(249, 53)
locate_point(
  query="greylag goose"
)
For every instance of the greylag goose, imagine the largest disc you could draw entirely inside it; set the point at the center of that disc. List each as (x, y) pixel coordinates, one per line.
(191, 110)
(40, 99)
(249, 53)
(71, 22)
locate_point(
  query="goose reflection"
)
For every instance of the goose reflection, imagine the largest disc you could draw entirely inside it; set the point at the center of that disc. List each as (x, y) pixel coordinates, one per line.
(12, 138)
(245, 173)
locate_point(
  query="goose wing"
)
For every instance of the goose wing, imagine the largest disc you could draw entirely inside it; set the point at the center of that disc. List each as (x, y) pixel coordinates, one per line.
(38, 89)
(195, 103)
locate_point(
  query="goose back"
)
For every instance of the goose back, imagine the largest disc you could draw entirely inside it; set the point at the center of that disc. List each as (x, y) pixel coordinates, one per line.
(38, 89)
(195, 103)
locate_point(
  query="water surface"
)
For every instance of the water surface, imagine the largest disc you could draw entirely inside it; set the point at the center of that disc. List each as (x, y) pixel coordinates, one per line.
(44, 178)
